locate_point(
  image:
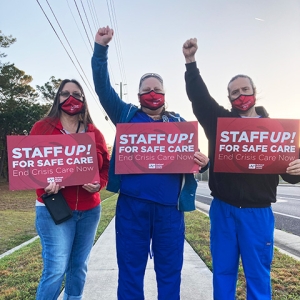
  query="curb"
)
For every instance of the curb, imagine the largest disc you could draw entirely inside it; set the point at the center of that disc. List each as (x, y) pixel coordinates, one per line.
(19, 247)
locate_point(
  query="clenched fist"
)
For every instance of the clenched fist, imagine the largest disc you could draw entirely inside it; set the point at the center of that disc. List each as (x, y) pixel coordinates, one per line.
(189, 49)
(104, 35)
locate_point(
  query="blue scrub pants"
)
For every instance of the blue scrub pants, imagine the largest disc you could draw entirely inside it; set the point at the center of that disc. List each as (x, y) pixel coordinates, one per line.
(245, 232)
(138, 224)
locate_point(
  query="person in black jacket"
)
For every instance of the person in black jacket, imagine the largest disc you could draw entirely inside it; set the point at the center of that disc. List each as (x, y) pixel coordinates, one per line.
(242, 221)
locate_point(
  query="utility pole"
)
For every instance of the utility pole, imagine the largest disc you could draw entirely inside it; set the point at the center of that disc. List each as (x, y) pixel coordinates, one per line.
(121, 89)
(121, 92)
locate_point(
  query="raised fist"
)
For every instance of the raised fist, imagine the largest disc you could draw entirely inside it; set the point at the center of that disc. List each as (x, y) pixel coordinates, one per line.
(104, 35)
(189, 49)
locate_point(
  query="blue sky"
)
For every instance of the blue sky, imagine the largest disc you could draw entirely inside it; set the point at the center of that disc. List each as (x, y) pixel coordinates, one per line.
(257, 38)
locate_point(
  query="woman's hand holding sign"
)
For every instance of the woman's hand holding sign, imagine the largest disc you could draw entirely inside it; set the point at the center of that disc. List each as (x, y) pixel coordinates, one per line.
(53, 188)
(92, 187)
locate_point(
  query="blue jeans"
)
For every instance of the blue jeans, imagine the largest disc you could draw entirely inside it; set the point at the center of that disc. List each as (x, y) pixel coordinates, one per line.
(65, 251)
(141, 227)
(246, 233)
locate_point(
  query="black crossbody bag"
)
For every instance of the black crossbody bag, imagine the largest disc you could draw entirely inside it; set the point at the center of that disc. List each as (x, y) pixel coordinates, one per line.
(57, 207)
(57, 204)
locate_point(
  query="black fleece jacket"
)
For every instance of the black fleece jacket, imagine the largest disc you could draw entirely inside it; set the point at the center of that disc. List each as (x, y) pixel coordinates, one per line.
(241, 190)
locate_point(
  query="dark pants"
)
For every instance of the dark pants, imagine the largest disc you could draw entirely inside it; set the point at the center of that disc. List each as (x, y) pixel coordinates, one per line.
(138, 224)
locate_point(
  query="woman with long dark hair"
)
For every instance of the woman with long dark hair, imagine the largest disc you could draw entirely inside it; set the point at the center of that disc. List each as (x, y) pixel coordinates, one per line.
(66, 246)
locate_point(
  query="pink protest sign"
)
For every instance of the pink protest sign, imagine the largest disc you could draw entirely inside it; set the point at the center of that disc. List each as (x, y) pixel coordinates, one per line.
(36, 160)
(166, 147)
(260, 145)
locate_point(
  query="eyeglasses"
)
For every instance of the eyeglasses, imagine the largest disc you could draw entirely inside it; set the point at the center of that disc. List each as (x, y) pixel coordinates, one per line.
(147, 75)
(66, 94)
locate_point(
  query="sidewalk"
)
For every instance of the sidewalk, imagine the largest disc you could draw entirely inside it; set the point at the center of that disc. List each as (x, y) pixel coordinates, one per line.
(102, 276)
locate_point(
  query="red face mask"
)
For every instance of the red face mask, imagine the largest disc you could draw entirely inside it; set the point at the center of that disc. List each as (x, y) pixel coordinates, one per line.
(152, 100)
(72, 106)
(243, 102)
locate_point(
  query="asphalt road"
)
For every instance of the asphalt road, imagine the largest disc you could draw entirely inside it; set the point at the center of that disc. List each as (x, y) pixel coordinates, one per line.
(286, 209)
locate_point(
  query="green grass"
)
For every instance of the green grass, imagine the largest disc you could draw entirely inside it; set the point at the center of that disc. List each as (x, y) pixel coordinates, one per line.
(16, 228)
(107, 213)
(20, 271)
(17, 214)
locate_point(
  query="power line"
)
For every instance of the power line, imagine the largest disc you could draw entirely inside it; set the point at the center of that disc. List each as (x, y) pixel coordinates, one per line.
(93, 9)
(110, 70)
(83, 25)
(70, 46)
(89, 50)
(113, 20)
(119, 43)
(115, 39)
(92, 14)
(86, 18)
(95, 13)
(101, 108)
(58, 36)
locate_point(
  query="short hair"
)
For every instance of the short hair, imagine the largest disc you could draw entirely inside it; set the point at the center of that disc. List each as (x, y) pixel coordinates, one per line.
(242, 76)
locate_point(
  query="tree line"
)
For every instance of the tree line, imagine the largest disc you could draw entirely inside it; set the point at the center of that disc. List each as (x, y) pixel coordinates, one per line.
(21, 105)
